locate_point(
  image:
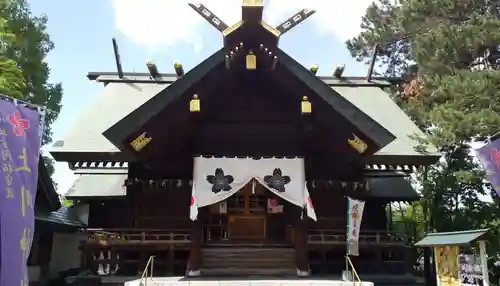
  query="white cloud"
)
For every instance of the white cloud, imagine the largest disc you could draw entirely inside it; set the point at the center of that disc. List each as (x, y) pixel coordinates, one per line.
(156, 23)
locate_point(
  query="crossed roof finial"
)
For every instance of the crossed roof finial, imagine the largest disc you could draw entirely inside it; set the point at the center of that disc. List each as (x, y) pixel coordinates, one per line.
(252, 12)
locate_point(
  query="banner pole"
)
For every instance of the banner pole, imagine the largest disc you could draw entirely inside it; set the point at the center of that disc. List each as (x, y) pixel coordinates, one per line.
(347, 240)
(346, 268)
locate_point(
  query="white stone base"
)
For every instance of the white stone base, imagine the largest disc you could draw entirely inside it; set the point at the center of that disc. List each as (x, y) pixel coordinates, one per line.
(182, 281)
(303, 273)
(346, 275)
(194, 273)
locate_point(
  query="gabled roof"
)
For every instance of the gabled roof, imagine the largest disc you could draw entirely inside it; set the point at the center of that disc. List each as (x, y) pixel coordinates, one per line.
(85, 140)
(85, 135)
(378, 104)
(452, 238)
(122, 129)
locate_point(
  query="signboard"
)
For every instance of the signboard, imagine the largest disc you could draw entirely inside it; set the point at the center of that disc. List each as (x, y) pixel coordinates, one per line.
(470, 270)
(489, 156)
(20, 149)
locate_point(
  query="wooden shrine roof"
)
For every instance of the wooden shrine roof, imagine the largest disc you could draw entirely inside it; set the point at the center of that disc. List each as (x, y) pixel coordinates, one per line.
(85, 142)
(207, 71)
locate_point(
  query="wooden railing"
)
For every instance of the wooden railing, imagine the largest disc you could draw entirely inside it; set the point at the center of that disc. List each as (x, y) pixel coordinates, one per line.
(137, 236)
(325, 236)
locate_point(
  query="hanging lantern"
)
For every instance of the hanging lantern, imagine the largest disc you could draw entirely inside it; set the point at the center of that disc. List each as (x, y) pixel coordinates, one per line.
(194, 104)
(305, 106)
(251, 61)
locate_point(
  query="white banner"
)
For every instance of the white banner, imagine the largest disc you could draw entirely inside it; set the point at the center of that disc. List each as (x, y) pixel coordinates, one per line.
(354, 216)
(216, 179)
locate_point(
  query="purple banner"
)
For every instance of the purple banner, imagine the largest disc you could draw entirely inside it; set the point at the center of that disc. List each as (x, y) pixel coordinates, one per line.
(489, 156)
(20, 148)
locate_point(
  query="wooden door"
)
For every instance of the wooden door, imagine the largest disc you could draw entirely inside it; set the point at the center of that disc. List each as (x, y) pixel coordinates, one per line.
(247, 226)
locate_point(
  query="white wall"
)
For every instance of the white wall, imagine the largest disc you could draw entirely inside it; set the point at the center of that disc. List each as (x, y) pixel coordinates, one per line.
(65, 253)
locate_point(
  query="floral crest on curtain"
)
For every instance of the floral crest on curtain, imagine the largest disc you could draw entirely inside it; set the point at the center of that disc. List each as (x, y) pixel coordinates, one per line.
(277, 181)
(219, 181)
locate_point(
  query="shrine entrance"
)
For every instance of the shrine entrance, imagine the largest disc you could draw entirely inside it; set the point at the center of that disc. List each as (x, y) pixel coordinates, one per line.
(252, 216)
(247, 214)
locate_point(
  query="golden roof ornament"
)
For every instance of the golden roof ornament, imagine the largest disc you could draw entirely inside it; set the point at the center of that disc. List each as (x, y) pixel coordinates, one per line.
(357, 144)
(140, 142)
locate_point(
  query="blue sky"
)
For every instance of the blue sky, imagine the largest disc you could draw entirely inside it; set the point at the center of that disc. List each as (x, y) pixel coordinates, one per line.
(167, 31)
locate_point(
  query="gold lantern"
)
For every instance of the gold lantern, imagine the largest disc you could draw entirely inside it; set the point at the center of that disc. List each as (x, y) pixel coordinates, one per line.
(305, 106)
(251, 61)
(194, 104)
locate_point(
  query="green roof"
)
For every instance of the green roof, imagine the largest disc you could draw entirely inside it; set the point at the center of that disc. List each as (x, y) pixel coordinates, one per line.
(378, 104)
(452, 238)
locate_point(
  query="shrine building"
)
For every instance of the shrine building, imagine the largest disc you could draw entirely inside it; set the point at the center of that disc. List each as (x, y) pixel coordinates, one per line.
(241, 165)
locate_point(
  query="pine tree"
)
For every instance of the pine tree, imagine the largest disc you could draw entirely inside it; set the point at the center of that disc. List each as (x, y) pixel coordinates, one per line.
(448, 54)
(23, 54)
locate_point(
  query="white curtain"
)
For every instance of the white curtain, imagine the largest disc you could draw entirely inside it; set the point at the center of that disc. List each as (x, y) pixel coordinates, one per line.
(216, 179)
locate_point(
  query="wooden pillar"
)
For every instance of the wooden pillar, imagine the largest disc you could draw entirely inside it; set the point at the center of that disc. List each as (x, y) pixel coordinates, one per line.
(170, 260)
(379, 258)
(300, 244)
(195, 255)
(143, 260)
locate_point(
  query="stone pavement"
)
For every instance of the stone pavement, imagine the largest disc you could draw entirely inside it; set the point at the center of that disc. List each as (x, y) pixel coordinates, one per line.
(181, 281)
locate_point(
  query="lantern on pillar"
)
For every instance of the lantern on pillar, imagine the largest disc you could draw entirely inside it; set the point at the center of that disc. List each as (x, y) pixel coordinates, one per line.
(194, 104)
(305, 106)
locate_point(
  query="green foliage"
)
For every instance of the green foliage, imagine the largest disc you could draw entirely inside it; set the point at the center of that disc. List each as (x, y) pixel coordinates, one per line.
(448, 51)
(66, 203)
(11, 76)
(24, 74)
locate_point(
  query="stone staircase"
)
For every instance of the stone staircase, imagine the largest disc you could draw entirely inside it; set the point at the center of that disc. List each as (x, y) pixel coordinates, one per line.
(248, 261)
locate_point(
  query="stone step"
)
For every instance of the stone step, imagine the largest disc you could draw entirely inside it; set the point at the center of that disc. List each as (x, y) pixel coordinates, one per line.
(245, 272)
(248, 261)
(249, 264)
(249, 250)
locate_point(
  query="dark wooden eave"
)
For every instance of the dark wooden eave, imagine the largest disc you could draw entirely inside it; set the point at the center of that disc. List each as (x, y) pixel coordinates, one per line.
(46, 186)
(117, 133)
(123, 129)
